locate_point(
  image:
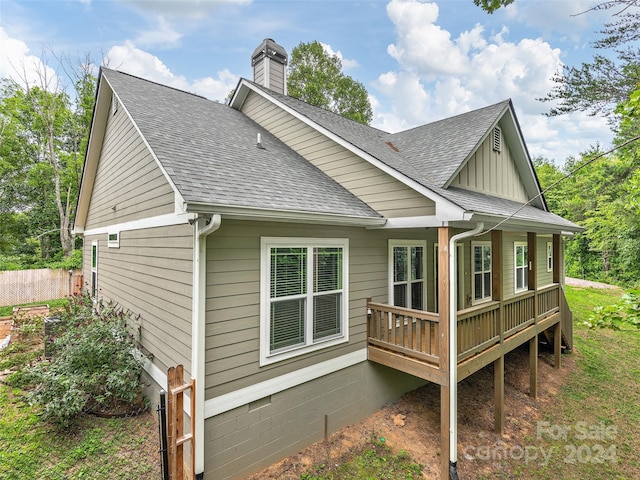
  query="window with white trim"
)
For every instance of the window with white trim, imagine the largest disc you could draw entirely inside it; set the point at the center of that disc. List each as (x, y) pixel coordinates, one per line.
(407, 267)
(521, 263)
(94, 269)
(549, 256)
(481, 253)
(113, 240)
(304, 296)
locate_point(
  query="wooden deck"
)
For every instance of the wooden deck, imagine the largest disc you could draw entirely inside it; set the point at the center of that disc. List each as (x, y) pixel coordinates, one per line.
(411, 341)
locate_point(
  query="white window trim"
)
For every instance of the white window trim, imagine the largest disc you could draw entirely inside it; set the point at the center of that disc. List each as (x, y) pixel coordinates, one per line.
(115, 243)
(408, 243)
(94, 269)
(473, 273)
(266, 243)
(549, 256)
(436, 268)
(515, 268)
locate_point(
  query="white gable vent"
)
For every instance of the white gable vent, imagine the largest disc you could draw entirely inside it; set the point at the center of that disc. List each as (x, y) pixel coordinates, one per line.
(497, 139)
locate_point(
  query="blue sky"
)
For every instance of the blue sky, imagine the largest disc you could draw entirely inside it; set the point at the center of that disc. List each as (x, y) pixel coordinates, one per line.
(420, 61)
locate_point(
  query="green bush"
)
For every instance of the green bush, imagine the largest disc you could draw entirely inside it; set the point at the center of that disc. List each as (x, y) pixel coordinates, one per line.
(622, 315)
(95, 365)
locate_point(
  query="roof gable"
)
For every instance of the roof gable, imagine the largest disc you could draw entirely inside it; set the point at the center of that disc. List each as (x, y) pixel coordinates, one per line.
(210, 155)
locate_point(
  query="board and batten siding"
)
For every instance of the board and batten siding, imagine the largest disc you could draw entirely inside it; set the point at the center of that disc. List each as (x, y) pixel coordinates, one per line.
(151, 274)
(492, 172)
(129, 185)
(233, 298)
(382, 192)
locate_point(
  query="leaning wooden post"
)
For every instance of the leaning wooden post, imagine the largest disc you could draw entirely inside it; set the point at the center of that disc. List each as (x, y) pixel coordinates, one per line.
(444, 235)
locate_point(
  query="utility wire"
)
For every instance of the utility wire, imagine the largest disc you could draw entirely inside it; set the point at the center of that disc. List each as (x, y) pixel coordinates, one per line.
(575, 170)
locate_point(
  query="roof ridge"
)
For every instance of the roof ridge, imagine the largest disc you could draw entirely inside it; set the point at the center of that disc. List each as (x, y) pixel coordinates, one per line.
(276, 94)
(102, 68)
(444, 119)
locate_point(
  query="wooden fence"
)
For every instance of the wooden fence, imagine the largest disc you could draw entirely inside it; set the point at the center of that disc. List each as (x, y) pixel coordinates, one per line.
(28, 286)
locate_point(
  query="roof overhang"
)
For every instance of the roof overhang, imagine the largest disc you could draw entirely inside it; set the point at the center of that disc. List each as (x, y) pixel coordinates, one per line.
(293, 216)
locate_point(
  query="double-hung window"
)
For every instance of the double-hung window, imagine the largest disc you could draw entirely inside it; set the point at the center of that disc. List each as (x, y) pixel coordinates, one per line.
(521, 262)
(304, 296)
(481, 252)
(407, 268)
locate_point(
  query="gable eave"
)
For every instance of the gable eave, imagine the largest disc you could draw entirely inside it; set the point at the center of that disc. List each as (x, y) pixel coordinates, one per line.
(510, 126)
(92, 155)
(444, 206)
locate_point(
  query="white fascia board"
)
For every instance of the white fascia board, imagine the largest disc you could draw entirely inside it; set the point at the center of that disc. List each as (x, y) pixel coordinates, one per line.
(260, 214)
(158, 221)
(422, 190)
(94, 147)
(238, 398)
(430, 221)
(521, 225)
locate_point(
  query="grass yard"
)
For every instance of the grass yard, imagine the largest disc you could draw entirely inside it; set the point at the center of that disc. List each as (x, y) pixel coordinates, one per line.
(592, 430)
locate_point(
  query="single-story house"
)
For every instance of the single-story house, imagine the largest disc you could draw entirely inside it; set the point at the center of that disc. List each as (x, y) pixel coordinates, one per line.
(307, 269)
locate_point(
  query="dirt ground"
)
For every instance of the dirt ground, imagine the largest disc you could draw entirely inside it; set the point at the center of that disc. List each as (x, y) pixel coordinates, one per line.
(412, 424)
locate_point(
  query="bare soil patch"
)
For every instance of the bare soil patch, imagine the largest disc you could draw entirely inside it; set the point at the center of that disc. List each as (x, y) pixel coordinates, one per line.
(412, 423)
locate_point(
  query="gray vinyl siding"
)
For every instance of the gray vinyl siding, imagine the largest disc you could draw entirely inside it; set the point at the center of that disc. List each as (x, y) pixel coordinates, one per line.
(233, 298)
(129, 185)
(382, 192)
(242, 441)
(544, 277)
(492, 172)
(151, 275)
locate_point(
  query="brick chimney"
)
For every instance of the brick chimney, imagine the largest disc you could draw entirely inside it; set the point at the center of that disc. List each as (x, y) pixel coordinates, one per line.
(269, 62)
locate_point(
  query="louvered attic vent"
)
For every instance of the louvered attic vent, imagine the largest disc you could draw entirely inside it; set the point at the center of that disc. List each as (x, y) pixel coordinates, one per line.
(497, 139)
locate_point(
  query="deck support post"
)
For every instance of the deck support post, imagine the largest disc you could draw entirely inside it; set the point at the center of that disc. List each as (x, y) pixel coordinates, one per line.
(444, 285)
(533, 367)
(498, 388)
(557, 343)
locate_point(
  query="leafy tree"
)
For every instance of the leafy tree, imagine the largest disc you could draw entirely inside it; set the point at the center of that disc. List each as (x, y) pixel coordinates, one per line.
(315, 76)
(491, 6)
(43, 140)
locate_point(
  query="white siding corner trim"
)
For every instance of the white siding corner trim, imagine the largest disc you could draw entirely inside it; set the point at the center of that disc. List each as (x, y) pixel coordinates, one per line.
(229, 401)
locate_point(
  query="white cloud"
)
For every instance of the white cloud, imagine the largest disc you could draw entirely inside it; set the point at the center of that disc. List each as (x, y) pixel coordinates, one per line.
(163, 35)
(17, 63)
(440, 76)
(130, 59)
(346, 63)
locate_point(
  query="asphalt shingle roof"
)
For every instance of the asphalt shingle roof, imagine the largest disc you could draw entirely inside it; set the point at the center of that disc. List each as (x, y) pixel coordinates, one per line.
(209, 151)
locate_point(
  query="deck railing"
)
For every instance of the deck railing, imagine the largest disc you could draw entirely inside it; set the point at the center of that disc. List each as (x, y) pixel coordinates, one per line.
(414, 333)
(403, 330)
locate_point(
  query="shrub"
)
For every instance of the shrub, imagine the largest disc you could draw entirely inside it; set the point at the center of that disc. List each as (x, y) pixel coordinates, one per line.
(622, 315)
(95, 365)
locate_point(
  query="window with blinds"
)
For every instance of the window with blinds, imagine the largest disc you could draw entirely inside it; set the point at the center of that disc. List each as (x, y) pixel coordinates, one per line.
(306, 295)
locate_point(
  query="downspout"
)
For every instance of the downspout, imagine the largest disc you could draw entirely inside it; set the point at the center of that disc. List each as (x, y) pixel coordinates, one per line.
(453, 351)
(203, 226)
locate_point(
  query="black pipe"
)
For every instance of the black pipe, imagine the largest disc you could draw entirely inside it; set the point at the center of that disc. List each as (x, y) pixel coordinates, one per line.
(162, 424)
(453, 470)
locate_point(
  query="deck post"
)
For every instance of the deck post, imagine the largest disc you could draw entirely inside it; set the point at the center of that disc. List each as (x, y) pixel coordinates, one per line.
(557, 343)
(496, 277)
(444, 235)
(532, 254)
(557, 259)
(498, 388)
(533, 367)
